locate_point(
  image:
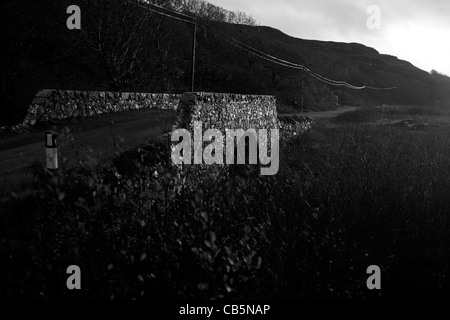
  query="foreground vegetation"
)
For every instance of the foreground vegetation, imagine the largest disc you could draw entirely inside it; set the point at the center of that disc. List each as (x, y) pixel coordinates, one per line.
(358, 192)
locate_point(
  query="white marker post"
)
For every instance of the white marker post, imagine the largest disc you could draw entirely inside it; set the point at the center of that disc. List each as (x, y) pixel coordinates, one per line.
(51, 150)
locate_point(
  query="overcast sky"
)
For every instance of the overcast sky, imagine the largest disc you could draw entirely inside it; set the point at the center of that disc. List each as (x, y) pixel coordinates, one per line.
(414, 30)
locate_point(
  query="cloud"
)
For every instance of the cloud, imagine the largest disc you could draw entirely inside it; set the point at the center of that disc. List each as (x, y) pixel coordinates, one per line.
(414, 30)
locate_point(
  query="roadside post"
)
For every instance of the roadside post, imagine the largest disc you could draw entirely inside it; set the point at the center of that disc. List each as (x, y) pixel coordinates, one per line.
(51, 150)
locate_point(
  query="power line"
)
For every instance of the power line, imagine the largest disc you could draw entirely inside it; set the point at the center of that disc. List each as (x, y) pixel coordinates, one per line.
(271, 58)
(375, 88)
(147, 2)
(159, 12)
(257, 52)
(289, 64)
(263, 53)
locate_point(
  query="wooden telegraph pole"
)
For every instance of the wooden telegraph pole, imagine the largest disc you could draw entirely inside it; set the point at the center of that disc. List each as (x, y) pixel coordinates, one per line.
(303, 93)
(194, 39)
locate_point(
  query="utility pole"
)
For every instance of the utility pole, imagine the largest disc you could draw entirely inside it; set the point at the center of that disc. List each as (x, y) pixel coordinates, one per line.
(303, 93)
(194, 39)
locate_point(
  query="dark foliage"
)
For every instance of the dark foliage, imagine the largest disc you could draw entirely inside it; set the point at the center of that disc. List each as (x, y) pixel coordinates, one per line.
(141, 228)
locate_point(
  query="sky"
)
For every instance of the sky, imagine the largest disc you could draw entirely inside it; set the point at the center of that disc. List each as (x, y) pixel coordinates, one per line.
(417, 31)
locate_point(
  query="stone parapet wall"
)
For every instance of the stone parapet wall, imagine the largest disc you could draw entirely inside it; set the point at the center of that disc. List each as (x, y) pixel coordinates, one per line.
(216, 110)
(57, 105)
(227, 111)
(224, 111)
(292, 126)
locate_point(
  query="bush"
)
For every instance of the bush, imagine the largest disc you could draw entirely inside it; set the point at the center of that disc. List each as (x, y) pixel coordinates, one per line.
(142, 229)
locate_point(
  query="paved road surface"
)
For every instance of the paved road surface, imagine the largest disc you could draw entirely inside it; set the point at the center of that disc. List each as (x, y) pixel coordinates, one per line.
(322, 116)
(128, 130)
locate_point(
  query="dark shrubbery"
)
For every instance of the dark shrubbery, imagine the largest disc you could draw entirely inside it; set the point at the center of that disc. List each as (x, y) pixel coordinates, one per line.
(142, 229)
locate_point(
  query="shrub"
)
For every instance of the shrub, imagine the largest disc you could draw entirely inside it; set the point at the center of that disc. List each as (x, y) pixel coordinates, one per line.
(140, 228)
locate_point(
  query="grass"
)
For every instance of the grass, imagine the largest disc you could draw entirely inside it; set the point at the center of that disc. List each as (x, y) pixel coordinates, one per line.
(358, 116)
(348, 195)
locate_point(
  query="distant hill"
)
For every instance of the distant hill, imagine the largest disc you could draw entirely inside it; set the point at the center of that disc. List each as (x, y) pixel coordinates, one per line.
(124, 47)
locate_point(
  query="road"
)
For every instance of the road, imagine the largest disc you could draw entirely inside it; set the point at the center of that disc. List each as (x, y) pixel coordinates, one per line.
(99, 134)
(328, 115)
(324, 116)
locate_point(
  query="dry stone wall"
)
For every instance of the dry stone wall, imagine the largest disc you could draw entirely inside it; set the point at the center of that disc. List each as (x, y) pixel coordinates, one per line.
(216, 110)
(227, 111)
(230, 111)
(65, 104)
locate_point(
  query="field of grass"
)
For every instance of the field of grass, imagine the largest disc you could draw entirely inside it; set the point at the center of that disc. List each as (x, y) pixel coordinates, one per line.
(366, 189)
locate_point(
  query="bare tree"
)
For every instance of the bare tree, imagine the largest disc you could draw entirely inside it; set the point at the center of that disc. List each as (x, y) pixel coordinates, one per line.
(128, 39)
(212, 12)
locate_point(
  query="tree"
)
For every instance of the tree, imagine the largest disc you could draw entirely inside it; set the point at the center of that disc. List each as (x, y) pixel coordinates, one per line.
(131, 43)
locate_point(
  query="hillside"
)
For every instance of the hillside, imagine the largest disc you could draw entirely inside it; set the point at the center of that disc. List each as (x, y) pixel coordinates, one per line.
(125, 47)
